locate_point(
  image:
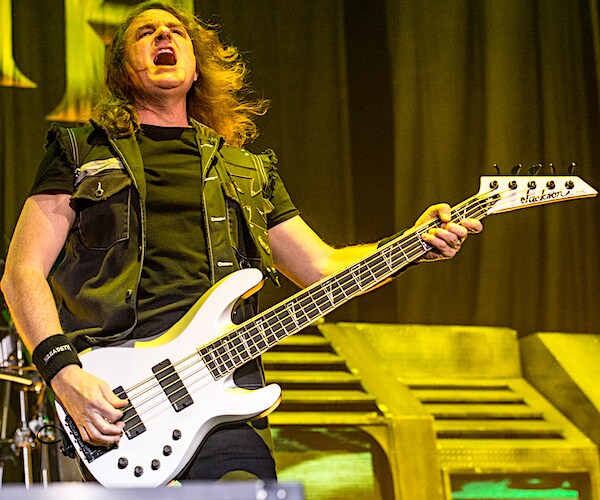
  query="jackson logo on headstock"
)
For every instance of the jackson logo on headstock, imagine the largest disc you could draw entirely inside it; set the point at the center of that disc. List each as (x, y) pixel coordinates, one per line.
(543, 196)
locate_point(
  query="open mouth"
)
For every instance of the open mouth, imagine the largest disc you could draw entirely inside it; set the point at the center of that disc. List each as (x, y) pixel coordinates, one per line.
(165, 57)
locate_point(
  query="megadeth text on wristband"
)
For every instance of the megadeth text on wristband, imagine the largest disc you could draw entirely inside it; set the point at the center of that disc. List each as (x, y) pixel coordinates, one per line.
(53, 354)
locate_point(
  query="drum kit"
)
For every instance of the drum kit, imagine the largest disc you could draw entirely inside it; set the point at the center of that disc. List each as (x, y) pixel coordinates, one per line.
(24, 405)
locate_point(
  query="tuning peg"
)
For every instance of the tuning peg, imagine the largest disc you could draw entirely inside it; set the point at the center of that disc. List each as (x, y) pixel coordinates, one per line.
(552, 170)
(516, 169)
(496, 168)
(571, 168)
(535, 169)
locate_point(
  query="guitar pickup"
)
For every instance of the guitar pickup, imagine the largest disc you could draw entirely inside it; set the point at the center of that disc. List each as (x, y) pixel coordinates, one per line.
(172, 384)
(133, 423)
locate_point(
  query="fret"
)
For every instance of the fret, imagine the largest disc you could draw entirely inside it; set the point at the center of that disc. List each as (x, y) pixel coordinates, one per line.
(237, 348)
(271, 337)
(270, 324)
(316, 304)
(416, 243)
(370, 270)
(386, 254)
(321, 301)
(327, 289)
(261, 339)
(223, 355)
(405, 256)
(355, 272)
(342, 287)
(425, 246)
(248, 341)
(292, 313)
(243, 340)
(210, 361)
(306, 306)
(350, 285)
(289, 326)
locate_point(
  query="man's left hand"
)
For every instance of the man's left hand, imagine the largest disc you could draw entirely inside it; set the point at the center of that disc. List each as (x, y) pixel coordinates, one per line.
(447, 239)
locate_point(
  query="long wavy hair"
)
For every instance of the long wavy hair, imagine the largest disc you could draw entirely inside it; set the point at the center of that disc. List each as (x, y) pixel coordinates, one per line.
(218, 99)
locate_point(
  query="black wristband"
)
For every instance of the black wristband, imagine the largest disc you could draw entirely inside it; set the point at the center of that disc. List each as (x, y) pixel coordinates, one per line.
(52, 354)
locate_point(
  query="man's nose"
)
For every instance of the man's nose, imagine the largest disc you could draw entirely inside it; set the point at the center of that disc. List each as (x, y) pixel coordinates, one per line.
(164, 32)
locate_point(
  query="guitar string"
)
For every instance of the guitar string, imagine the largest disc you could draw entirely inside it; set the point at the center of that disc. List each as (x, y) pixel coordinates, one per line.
(418, 246)
(140, 412)
(371, 270)
(420, 249)
(279, 320)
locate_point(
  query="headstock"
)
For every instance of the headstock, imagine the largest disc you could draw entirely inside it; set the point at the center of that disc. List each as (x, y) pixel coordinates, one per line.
(504, 193)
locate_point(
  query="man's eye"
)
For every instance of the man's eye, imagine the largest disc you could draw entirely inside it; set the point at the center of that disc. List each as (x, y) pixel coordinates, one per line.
(144, 33)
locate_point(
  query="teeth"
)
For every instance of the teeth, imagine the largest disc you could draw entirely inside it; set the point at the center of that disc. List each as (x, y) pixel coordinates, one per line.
(165, 57)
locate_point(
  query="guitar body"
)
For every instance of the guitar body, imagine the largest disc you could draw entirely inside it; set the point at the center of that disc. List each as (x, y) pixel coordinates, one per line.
(166, 434)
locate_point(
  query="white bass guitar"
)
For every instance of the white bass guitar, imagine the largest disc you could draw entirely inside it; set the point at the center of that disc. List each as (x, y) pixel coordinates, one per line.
(180, 385)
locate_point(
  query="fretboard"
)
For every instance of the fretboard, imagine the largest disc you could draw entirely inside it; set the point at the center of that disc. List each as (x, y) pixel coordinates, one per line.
(254, 337)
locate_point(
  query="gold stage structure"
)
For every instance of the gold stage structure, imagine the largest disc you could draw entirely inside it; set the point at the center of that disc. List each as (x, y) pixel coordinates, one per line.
(440, 403)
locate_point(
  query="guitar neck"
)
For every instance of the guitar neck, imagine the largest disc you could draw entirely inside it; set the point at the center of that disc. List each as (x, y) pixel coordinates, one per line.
(496, 195)
(256, 336)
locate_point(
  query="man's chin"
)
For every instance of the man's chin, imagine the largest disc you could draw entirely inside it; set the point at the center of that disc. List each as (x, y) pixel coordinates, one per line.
(171, 82)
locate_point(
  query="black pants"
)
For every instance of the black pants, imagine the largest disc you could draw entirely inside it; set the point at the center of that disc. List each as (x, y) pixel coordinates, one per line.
(233, 447)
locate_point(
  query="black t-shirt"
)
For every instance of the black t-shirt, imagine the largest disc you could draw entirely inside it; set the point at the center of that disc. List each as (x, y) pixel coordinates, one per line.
(175, 272)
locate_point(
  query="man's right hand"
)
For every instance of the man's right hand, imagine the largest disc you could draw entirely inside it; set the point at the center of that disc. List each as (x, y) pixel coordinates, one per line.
(91, 404)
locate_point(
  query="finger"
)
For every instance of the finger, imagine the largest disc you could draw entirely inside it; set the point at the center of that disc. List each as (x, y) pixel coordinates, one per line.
(444, 246)
(84, 434)
(443, 212)
(452, 235)
(92, 436)
(106, 411)
(99, 439)
(103, 416)
(111, 397)
(108, 429)
(458, 230)
(472, 225)
(102, 432)
(440, 211)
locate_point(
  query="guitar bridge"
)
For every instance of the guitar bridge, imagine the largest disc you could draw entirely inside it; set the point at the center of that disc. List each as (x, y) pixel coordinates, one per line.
(90, 452)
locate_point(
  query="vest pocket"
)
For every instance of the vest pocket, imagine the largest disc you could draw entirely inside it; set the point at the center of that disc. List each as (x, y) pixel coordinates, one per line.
(103, 203)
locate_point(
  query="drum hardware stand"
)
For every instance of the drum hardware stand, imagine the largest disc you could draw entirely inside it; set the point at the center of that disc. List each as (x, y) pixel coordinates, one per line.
(24, 438)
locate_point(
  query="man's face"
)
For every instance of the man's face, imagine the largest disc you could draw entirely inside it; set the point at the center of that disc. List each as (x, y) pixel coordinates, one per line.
(159, 54)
